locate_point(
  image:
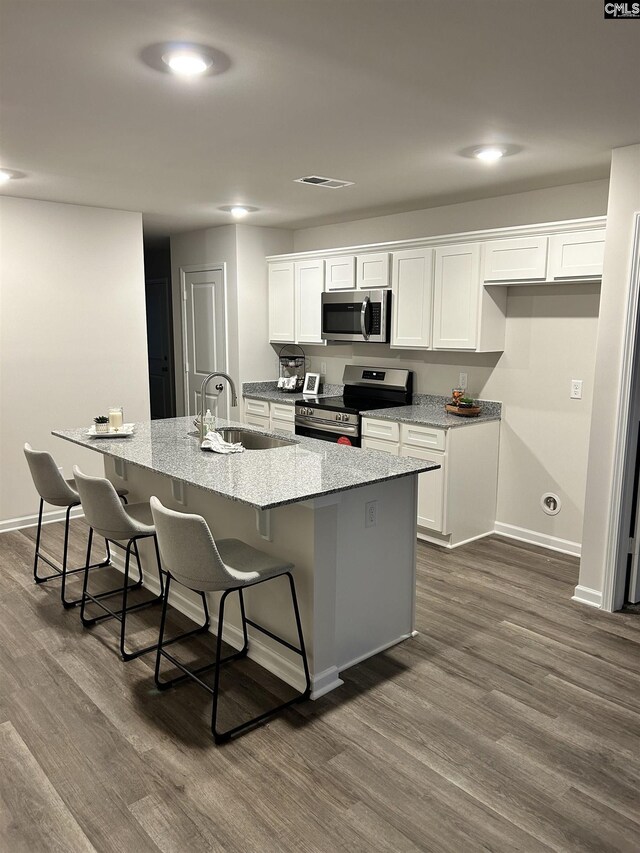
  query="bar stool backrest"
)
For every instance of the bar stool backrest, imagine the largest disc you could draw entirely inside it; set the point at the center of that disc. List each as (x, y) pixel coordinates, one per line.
(49, 482)
(188, 550)
(102, 507)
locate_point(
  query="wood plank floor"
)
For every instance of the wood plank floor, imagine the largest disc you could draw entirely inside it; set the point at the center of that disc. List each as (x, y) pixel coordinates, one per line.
(511, 723)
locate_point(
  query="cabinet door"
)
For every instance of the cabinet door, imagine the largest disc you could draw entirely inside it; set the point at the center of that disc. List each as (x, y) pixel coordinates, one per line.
(282, 418)
(309, 284)
(578, 255)
(340, 273)
(256, 421)
(456, 294)
(384, 446)
(372, 270)
(520, 259)
(281, 303)
(431, 498)
(412, 287)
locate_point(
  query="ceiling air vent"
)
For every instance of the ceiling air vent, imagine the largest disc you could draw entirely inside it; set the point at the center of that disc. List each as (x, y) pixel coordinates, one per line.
(330, 183)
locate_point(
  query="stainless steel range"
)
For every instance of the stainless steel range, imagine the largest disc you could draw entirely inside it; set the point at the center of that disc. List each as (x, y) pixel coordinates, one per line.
(338, 419)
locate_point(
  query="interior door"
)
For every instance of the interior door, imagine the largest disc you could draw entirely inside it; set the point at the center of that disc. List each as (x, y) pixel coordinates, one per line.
(205, 339)
(160, 348)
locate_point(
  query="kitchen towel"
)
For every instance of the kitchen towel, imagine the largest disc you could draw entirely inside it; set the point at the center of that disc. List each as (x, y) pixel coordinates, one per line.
(214, 441)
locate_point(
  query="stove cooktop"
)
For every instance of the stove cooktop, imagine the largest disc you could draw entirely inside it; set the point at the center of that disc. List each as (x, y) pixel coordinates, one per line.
(347, 404)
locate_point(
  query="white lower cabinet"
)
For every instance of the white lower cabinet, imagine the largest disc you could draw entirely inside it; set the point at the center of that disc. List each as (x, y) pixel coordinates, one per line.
(272, 417)
(282, 418)
(378, 444)
(456, 502)
(431, 503)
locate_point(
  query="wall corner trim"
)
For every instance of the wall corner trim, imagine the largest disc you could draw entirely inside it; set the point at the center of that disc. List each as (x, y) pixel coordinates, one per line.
(585, 595)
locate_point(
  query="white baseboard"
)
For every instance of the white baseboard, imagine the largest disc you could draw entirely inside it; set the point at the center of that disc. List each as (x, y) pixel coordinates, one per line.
(445, 541)
(31, 520)
(585, 595)
(281, 667)
(554, 543)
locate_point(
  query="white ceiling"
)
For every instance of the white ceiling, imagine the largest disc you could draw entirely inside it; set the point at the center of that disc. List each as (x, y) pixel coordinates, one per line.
(381, 92)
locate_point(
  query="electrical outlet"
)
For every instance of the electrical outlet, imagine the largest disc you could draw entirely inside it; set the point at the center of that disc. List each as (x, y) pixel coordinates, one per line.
(576, 389)
(371, 514)
(323, 368)
(462, 383)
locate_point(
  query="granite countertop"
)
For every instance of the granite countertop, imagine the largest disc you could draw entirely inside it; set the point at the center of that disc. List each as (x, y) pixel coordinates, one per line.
(428, 410)
(260, 478)
(269, 391)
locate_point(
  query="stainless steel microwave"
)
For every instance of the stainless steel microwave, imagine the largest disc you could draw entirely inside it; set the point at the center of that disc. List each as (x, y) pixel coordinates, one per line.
(356, 315)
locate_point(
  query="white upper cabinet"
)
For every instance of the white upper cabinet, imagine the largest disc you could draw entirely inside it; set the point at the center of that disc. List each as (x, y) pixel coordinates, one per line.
(340, 273)
(576, 255)
(372, 270)
(412, 303)
(456, 296)
(520, 259)
(309, 284)
(281, 303)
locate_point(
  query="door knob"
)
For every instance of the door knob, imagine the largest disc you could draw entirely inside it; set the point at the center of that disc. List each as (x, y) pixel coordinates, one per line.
(219, 387)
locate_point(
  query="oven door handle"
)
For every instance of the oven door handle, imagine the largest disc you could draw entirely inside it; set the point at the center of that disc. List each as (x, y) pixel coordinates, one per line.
(363, 317)
(323, 426)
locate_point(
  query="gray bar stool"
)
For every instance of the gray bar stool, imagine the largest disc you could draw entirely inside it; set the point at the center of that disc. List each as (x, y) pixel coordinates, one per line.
(192, 557)
(107, 517)
(55, 490)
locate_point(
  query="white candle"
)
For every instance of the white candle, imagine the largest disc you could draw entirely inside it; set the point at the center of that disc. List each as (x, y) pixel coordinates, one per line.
(115, 418)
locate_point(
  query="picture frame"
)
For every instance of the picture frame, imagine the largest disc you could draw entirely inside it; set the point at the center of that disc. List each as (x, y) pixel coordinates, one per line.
(311, 384)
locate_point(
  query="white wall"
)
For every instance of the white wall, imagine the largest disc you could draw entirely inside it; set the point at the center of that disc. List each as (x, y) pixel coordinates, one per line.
(556, 203)
(624, 202)
(551, 334)
(72, 333)
(257, 359)
(242, 250)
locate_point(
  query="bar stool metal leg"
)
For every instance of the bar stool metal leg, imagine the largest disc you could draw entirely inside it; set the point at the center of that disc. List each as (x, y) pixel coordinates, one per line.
(63, 571)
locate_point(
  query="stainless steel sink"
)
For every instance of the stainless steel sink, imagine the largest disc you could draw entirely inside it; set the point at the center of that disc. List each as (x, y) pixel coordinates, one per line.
(253, 440)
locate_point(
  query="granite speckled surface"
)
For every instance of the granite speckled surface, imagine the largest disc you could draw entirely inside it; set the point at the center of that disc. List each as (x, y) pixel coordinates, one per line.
(269, 391)
(260, 478)
(428, 410)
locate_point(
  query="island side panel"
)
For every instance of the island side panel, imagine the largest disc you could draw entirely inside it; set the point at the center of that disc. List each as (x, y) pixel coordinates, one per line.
(376, 571)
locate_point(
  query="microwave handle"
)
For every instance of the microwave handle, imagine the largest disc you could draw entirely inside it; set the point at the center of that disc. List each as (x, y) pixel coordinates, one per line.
(363, 318)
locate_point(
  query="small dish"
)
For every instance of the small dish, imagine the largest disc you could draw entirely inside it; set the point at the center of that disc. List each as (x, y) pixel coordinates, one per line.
(125, 431)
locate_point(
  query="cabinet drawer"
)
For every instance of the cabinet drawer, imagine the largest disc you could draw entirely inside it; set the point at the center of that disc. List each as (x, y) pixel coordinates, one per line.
(256, 407)
(423, 436)
(384, 446)
(521, 259)
(282, 412)
(386, 430)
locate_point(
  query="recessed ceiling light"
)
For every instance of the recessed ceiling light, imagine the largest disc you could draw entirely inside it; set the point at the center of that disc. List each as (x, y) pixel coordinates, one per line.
(9, 174)
(238, 211)
(187, 62)
(489, 154)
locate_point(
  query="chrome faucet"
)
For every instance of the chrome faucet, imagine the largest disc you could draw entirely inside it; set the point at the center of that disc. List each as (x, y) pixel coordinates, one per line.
(203, 396)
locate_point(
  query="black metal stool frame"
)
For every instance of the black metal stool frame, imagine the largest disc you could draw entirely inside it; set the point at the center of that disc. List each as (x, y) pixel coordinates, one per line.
(61, 572)
(121, 615)
(223, 737)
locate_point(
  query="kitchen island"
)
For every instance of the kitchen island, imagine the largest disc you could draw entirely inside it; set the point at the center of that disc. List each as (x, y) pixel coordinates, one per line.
(345, 517)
